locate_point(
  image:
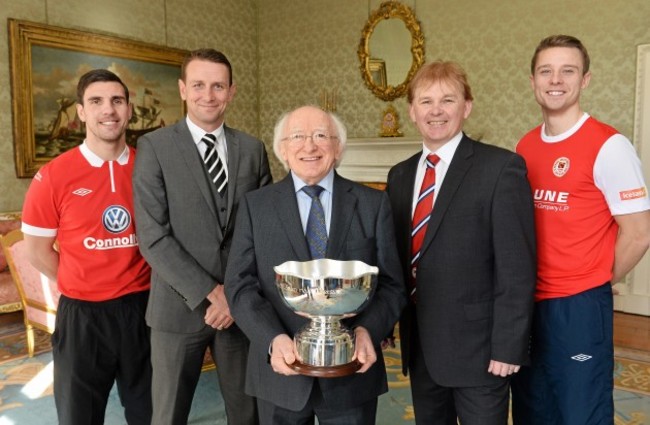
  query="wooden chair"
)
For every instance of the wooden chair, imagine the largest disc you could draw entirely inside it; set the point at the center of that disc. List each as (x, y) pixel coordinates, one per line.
(39, 296)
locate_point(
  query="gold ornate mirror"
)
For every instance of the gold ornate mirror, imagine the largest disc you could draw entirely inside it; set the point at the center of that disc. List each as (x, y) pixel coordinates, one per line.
(391, 50)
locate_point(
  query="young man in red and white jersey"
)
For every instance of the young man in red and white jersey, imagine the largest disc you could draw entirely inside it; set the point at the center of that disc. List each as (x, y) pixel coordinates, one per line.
(592, 215)
(83, 201)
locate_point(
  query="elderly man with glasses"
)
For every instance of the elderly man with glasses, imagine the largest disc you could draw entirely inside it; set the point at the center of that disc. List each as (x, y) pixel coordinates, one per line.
(273, 228)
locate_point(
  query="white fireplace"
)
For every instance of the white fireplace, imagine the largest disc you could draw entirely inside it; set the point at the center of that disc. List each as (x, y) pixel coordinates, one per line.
(368, 160)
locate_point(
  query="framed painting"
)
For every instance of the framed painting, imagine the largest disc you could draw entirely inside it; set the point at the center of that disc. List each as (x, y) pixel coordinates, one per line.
(377, 69)
(46, 63)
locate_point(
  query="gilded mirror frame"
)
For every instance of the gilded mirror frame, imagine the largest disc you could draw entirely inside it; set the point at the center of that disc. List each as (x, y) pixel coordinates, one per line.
(388, 10)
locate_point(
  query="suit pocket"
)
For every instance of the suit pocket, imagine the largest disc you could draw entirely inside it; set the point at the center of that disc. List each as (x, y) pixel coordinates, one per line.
(246, 184)
(361, 250)
(478, 311)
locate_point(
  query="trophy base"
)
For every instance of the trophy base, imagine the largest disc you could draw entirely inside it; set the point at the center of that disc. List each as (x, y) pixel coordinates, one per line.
(326, 371)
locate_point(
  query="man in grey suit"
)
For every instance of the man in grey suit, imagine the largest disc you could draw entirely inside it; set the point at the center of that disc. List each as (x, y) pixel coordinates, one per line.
(270, 230)
(187, 183)
(464, 217)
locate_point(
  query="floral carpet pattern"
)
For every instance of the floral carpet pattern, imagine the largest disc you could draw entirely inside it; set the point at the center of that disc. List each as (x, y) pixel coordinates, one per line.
(631, 394)
(26, 391)
(632, 375)
(14, 345)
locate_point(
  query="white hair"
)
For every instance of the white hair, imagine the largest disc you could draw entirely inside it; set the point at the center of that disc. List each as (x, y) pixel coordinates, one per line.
(278, 131)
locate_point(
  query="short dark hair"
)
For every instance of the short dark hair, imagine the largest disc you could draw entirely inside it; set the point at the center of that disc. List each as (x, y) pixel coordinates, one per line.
(95, 76)
(441, 71)
(210, 55)
(561, 40)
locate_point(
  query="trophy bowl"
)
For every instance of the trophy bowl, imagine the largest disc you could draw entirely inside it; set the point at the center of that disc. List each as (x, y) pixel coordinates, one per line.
(325, 291)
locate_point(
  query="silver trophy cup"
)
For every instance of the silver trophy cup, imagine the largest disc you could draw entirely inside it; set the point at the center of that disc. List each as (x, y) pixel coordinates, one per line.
(325, 291)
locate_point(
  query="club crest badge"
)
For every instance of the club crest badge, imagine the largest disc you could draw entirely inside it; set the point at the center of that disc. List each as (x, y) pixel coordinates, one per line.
(561, 166)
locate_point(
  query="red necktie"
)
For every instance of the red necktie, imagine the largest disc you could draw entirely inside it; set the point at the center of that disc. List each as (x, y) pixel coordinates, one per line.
(422, 214)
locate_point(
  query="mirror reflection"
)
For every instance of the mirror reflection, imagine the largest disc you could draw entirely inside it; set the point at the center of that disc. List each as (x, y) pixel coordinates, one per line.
(391, 50)
(390, 45)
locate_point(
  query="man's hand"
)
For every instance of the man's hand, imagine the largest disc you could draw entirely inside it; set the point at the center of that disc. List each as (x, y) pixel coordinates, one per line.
(364, 351)
(283, 354)
(502, 369)
(388, 342)
(217, 314)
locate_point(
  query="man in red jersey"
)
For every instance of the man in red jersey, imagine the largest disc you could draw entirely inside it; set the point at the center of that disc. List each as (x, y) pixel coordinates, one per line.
(83, 201)
(592, 215)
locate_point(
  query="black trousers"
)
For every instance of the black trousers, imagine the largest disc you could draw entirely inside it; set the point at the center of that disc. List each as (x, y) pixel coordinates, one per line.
(435, 404)
(94, 345)
(316, 407)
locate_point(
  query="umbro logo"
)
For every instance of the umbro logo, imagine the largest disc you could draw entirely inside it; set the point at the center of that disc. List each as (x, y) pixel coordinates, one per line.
(82, 191)
(581, 357)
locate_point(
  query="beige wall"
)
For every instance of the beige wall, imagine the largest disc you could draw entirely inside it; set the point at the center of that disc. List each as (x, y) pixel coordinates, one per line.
(228, 25)
(301, 47)
(310, 45)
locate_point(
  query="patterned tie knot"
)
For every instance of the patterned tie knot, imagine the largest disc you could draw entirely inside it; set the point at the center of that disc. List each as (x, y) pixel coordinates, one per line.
(313, 191)
(432, 160)
(209, 139)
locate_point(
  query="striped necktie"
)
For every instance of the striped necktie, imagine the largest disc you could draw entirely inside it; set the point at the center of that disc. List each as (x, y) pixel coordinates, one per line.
(422, 215)
(316, 232)
(214, 164)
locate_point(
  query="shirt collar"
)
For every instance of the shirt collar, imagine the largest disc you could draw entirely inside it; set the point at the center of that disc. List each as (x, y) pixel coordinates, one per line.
(445, 152)
(96, 161)
(327, 183)
(198, 133)
(566, 134)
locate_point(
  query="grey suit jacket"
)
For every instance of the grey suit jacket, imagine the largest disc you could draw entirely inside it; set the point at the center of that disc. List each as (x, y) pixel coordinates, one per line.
(269, 232)
(176, 219)
(476, 274)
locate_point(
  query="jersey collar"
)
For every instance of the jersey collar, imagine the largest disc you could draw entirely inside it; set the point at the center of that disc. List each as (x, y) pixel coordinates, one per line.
(96, 161)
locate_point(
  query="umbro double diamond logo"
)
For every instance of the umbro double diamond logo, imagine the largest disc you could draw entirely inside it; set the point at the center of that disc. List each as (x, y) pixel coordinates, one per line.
(581, 357)
(82, 191)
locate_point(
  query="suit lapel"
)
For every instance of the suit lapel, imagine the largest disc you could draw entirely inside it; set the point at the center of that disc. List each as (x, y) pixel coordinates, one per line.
(233, 167)
(460, 164)
(187, 149)
(286, 207)
(344, 203)
(402, 191)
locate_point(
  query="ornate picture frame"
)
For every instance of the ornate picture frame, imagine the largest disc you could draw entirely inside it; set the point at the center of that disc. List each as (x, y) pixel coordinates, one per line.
(46, 63)
(390, 10)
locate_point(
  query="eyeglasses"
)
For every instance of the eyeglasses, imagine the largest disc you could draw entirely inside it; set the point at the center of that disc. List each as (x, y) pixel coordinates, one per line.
(318, 137)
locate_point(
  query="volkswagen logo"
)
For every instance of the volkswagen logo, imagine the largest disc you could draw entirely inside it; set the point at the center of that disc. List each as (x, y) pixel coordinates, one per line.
(116, 219)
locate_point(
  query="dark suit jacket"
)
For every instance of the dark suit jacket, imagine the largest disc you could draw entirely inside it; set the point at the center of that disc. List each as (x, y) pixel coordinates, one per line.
(476, 275)
(176, 219)
(269, 232)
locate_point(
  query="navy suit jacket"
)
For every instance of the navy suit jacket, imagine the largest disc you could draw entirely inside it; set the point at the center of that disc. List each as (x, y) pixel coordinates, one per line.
(476, 274)
(269, 232)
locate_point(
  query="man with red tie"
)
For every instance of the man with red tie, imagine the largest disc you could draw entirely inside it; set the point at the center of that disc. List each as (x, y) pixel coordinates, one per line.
(463, 215)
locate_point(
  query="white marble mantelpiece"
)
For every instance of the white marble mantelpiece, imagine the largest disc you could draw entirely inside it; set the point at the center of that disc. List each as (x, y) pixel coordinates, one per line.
(369, 159)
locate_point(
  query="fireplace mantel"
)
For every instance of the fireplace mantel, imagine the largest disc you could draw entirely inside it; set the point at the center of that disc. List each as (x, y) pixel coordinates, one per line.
(369, 159)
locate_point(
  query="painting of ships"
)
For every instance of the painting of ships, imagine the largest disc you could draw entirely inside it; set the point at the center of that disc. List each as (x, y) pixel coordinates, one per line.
(66, 130)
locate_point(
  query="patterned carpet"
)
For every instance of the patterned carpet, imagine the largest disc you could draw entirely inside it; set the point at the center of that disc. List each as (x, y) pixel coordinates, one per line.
(26, 392)
(13, 345)
(631, 394)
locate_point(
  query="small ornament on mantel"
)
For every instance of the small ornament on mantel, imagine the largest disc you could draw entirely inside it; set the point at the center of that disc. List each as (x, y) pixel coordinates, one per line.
(390, 123)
